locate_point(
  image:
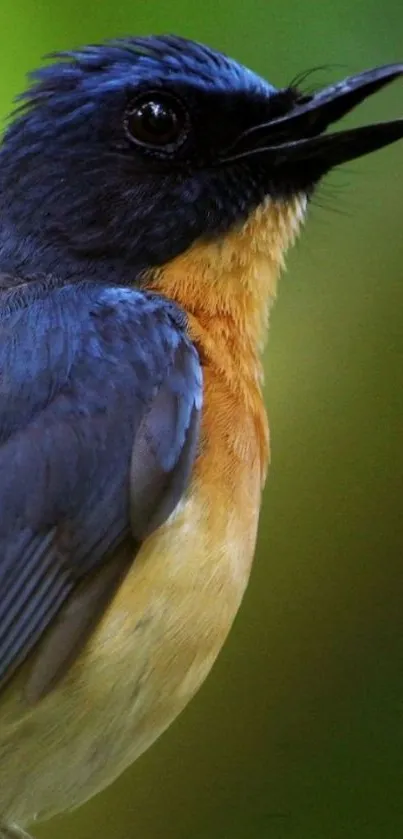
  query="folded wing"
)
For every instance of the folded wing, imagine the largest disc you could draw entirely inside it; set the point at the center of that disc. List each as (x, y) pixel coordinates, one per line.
(100, 400)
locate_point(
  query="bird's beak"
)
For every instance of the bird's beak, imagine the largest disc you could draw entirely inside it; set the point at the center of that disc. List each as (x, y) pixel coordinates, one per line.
(299, 135)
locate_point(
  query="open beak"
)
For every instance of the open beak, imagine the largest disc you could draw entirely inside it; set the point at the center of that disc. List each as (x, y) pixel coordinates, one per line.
(299, 135)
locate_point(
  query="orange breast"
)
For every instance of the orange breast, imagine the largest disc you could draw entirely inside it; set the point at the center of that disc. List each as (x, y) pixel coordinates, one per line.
(233, 458)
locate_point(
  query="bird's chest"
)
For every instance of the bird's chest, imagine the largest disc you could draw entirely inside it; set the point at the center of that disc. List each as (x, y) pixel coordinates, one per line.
(156, 643)
(172, 614)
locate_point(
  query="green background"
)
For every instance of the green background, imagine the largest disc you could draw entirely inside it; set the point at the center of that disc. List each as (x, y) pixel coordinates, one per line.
(298, 733)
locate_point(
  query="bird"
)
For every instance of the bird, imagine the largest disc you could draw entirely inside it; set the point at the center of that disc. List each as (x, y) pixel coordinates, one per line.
(149, 190)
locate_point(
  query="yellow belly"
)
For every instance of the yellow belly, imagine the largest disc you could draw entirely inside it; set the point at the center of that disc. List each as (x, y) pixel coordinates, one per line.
(151, 652)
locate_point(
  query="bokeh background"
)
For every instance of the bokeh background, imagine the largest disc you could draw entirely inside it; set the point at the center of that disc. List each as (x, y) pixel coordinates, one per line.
(298, 733)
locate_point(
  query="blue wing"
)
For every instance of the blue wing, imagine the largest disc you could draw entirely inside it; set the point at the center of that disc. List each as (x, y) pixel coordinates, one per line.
(100, 399)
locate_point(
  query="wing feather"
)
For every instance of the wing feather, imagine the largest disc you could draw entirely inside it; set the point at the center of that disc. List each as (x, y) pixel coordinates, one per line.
(100, 400)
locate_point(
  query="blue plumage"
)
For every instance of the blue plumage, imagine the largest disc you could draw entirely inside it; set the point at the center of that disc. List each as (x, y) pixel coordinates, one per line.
(158, 59)
(78, 199)
(84, 368)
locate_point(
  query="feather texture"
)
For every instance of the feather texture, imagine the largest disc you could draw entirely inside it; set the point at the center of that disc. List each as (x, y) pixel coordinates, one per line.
(99, 403)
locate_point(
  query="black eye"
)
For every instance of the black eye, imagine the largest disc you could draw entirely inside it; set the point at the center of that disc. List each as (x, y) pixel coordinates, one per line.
(157, 120)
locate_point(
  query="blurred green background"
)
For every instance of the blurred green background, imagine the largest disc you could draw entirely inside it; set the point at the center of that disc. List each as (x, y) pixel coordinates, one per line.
(298, 733)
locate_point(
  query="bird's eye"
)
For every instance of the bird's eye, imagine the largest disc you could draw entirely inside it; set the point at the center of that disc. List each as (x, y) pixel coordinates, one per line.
(158, 121)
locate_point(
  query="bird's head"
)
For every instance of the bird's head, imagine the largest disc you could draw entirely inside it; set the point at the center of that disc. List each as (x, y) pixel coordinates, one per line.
(125, 156)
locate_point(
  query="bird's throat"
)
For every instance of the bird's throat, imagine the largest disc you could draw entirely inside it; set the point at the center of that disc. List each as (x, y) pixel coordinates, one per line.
(226, 286)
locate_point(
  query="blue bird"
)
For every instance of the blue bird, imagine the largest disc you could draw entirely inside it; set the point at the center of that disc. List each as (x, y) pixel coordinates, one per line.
(149, 188)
